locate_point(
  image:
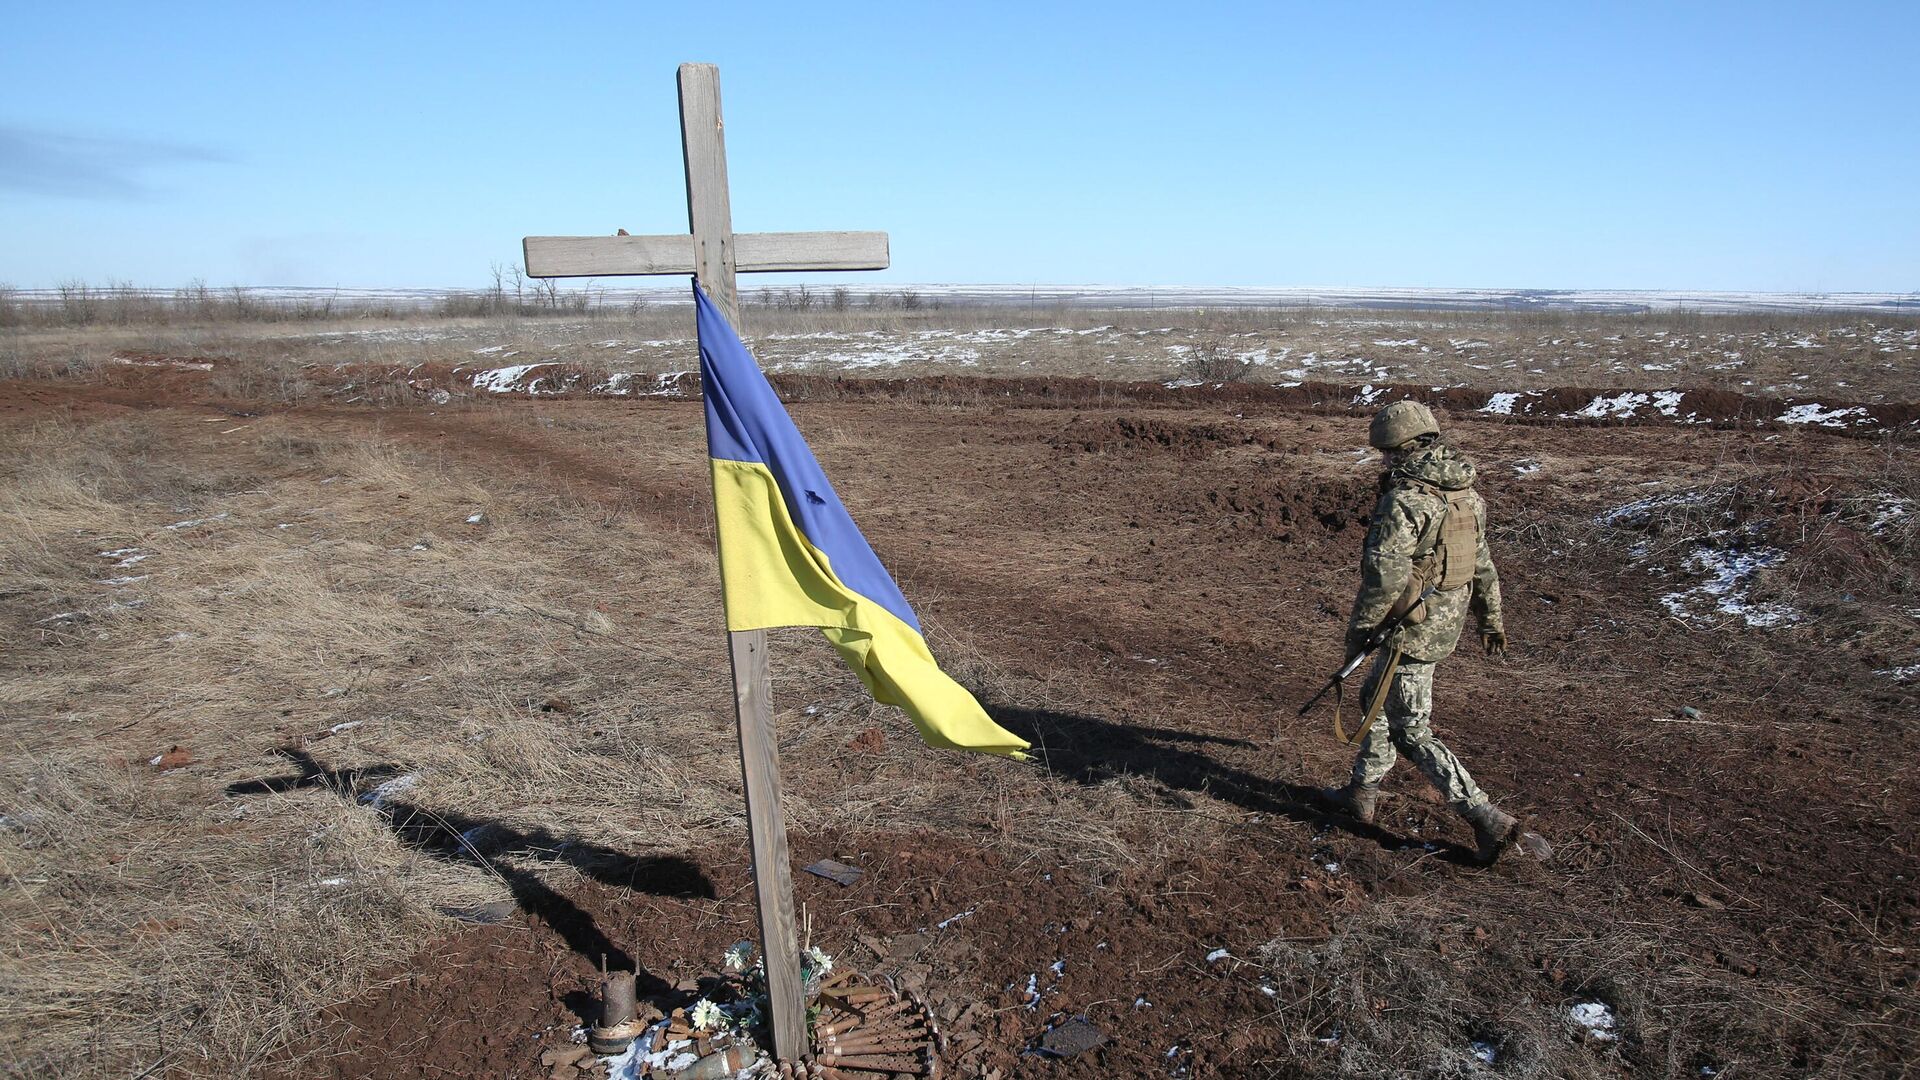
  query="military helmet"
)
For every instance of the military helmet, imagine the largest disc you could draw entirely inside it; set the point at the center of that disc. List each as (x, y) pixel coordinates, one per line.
(1399, 424)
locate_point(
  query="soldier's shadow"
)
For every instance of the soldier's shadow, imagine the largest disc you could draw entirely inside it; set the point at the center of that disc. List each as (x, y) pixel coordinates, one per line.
(1089, 750)
(458, 838)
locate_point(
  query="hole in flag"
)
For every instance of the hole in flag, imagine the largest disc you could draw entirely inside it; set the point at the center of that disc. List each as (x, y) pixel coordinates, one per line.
(814, 497)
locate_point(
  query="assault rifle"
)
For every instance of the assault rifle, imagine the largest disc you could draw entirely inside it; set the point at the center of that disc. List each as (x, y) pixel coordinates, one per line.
(1374, 641)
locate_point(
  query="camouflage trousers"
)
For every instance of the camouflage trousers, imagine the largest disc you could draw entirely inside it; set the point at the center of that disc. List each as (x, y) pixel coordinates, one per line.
(1405, 725)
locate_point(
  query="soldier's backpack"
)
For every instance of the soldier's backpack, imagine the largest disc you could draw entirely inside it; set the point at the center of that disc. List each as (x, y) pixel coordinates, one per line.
(1448, 564)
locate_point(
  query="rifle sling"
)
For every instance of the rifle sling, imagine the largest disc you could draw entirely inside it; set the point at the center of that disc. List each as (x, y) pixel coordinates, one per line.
(1375, 705)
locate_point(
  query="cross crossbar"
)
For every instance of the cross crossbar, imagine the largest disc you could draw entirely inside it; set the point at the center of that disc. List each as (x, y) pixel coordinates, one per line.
(753, 253)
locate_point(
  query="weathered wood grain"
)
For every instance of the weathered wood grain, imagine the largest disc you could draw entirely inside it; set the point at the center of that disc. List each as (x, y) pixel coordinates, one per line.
(616, 256)
(703, 138)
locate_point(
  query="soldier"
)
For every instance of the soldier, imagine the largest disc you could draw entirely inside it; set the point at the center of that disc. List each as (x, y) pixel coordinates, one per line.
(1429, 529)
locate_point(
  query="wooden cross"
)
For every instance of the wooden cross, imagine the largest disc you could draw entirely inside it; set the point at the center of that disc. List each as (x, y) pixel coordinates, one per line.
(714, 253)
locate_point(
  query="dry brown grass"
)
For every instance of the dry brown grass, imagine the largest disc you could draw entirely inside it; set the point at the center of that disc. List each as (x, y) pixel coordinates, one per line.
(1415, 988)
(549, 672)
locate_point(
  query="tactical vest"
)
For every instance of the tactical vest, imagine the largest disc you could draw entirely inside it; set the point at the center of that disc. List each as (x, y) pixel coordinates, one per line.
(1448, 563)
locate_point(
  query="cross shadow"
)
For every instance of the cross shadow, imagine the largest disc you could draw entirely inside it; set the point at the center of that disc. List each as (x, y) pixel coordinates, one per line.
(458, 838)
(1089, 751)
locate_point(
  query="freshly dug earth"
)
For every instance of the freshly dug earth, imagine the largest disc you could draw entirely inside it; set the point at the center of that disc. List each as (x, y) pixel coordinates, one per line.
(1147, 590)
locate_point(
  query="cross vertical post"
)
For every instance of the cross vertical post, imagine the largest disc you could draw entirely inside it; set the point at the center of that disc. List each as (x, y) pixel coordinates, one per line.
(713, 252)
(710, 218)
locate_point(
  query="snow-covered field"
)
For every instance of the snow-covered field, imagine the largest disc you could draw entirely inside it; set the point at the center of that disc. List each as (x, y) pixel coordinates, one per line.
(1142, 296)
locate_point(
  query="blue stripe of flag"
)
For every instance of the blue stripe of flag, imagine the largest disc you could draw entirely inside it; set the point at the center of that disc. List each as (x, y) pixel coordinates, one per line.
(746, 422)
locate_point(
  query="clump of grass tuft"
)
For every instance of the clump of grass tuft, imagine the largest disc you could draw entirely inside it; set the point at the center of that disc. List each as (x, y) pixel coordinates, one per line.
(1211, 362)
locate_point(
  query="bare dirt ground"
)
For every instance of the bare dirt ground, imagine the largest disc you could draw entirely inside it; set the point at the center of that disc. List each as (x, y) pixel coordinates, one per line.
(345, 738)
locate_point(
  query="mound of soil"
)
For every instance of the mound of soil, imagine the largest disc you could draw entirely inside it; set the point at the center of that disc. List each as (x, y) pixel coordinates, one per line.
(1144, 434)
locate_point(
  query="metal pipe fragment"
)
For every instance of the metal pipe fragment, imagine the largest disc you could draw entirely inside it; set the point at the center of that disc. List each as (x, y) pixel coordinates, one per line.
(878, 1064)
(876, 1046)
(892, 1025)
(836, 979)
(617, 1002)
(841, 1023)
(617, 1029)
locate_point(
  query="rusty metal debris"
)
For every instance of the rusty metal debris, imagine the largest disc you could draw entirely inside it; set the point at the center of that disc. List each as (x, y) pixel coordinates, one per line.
(861, 1030)
(1073, 1036)
(861, 1027)
(617, 1027)
(835, 871)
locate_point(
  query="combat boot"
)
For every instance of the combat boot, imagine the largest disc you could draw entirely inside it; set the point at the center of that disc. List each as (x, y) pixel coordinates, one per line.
(1356, 799)
(1493, 830)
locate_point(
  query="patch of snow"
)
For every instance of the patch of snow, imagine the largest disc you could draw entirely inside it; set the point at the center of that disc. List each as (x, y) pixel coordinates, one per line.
(1819, 414)
(1910, 673)
(125, 579)
(332, 882)
(1621, 405)
(504, 380)
(1640, 510)
(399, 785)
(1501, 404)
(636, 1062)
(1732, 573)
(1526, 466)
(1368, 394)
(1596, 1018)
(1889, 512)
(1483, 1051)
(667, 384)
(1059, 968)
(1217, 955)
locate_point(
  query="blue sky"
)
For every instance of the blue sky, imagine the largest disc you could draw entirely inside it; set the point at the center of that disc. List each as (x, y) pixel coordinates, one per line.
(1754, 146)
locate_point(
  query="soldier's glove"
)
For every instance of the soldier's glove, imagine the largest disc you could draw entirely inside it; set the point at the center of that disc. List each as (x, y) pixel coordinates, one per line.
(1495, 642)
(1356, 642)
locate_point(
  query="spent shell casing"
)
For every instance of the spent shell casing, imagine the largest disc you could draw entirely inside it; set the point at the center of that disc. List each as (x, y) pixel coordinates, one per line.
(877, 1046)
(863, 1063)
(896, 1028)
(842, 1022)
(875, 1012)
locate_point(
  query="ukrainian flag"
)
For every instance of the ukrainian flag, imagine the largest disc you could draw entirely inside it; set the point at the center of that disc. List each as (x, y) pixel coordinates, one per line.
(790, 555)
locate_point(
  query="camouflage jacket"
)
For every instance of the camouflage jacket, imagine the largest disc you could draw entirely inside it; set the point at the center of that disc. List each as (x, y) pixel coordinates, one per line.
(1406, 526)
